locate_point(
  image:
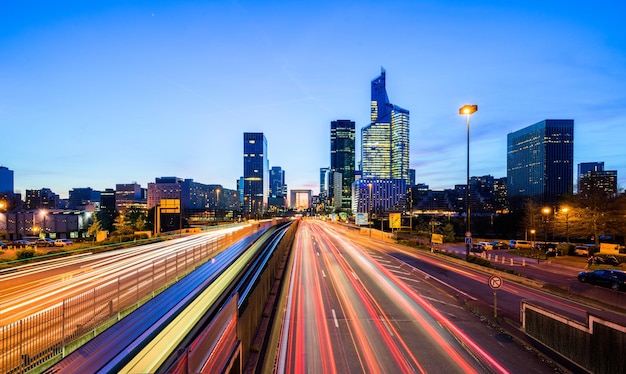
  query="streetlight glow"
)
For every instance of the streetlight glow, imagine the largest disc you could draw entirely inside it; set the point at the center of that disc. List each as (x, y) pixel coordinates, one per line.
(468, 110)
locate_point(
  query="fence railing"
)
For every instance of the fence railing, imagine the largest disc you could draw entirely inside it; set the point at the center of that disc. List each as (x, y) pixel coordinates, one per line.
(48, 336)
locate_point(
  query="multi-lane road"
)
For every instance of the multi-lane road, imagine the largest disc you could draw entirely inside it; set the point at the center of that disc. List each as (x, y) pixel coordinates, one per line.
(29, 289)
(353, 307)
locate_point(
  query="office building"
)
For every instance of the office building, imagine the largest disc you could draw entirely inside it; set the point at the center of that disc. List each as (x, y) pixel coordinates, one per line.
(6, 180)
(540, 161)
(129, 195)
(278, 189)
(378, 196)
(40, 199)
(385, 141)
(84, 198)
(342, 162)
(255, 174)
(594, 180)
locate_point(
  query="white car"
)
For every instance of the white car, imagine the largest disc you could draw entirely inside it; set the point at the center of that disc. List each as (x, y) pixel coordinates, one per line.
(62, 242)
(486, 246)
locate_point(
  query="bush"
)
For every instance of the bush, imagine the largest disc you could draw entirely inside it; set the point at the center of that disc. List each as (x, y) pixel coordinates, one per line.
(480, 261)
(25, 254)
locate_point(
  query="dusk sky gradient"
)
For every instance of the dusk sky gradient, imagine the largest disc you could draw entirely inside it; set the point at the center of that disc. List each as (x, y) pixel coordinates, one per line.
(95, 93)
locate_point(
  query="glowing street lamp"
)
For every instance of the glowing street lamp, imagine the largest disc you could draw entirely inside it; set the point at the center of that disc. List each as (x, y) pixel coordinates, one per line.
(467, 111)
(566, 211)
(545, 211)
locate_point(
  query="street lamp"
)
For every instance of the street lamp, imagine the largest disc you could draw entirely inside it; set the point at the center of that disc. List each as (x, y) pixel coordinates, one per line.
(43, 226)
(217, 204)
(566, 211)
(468, 110)
(369, 208)
(545, 211)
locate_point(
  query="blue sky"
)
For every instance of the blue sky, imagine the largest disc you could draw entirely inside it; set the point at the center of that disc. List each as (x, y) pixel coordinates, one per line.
(94, 93)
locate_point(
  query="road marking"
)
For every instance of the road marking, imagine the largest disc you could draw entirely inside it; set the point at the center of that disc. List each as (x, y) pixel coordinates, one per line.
(335, 318)
(384, 321)
(323, 274)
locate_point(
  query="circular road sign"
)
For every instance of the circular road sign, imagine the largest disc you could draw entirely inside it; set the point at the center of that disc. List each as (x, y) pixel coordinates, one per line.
(468, 234)
(495, 282)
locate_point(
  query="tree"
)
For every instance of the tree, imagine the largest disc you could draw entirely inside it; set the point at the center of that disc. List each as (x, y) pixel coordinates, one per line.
(94, 228)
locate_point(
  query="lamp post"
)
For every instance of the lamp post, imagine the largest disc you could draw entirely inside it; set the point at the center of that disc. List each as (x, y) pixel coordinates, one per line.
(43, 226)
(545, 211)
(468, 110)
(217, 204)
(369, 208)
(566, 211)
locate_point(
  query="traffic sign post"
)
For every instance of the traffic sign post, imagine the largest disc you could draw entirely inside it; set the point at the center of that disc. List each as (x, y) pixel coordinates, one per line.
(495, 282)
(468, 242)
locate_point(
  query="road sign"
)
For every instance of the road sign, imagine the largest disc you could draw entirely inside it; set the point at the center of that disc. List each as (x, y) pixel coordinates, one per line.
(495, 282)
(468, 234)
(468, 240)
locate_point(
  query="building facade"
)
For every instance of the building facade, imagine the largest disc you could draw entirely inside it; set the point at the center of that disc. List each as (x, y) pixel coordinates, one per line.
(378, 196)
(342, 161)
(596, 180)
(6, 180)
(540, 161)
(255, 174)
(385, 141)
(278, 190)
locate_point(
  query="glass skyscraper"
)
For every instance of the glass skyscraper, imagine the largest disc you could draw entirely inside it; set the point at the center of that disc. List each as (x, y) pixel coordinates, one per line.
(255, 173)
(540, 161)
(385, 141)
(342, 160)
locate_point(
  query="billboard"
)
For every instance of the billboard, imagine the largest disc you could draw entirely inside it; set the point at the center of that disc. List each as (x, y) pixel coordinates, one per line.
(361, 219)
(395, 222)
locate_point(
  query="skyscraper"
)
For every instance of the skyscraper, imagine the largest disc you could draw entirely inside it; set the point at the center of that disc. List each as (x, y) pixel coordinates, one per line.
(593, 179)
(342, 161)
(6, 180)
(540, 160)
(255, 173)
(278, 189)
(385, 141)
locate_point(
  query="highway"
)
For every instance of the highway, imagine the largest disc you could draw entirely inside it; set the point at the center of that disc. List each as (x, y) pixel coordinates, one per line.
(347, 312)
(31, 288)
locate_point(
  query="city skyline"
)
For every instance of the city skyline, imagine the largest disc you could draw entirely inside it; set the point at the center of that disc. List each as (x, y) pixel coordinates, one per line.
(99, 94)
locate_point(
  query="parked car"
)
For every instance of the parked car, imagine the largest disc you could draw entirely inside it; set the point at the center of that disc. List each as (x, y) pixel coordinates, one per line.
(615, 279)
(520, 244)
(44, 242)
(62, 242)
(499, 245)
(607, 260)
(22, 243)
(476, 248)
(4, 245)
(486, 246)
(581, 250)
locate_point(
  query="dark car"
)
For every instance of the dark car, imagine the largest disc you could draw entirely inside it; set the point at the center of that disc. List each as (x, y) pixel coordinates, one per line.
(22, 243)
(44, 242)
(4, 245)
(616, 279)
(499, 245)
(477, 248)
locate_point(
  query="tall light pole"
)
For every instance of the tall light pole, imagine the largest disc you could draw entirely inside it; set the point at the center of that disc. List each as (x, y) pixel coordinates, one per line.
(43, 227)
(369, 208)
(545, 211)
(468, 110)
(566, 211)
(217, 204)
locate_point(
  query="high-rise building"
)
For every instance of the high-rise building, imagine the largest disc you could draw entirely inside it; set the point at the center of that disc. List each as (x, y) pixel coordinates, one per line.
(593, 179)
(278, 189)
(6, 180)
(385, 141)
(40, 199)
(83, 197)
(540, 161)
(342, 161)
(255, 173)
(585, 168)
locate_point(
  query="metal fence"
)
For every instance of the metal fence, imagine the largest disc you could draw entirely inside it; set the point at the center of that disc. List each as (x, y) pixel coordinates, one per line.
(50, 335)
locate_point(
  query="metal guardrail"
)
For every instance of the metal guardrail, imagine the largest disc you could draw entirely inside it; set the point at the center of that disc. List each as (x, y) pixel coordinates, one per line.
(55, 332)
